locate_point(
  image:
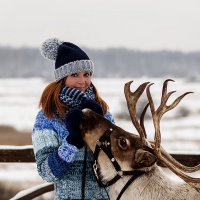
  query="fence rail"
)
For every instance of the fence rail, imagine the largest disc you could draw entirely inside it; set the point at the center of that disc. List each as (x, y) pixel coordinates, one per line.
(17, 154)
(25, 154)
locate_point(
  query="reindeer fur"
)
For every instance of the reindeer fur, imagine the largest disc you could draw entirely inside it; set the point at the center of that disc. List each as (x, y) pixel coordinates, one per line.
(153, 185)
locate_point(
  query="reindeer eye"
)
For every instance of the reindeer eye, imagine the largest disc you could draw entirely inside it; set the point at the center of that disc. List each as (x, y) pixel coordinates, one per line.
(122, 143)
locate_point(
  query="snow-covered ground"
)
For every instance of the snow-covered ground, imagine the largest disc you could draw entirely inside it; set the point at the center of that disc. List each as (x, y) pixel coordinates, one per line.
(19, 105)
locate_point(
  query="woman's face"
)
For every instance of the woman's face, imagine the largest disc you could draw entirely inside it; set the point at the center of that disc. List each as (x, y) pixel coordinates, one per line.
(80, 81)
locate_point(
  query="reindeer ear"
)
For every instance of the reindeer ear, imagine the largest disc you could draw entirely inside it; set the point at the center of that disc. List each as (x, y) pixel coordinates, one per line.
(144, 158)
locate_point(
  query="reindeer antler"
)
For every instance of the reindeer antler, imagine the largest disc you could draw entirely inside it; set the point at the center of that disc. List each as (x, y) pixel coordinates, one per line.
(161, 154)
(132, 99)
(163, 108)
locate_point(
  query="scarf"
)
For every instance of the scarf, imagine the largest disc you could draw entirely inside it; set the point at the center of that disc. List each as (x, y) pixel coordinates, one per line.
(73, 97)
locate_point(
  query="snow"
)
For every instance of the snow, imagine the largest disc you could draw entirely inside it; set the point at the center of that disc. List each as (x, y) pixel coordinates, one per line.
(10, 147)
(19, 101)
(19, 171)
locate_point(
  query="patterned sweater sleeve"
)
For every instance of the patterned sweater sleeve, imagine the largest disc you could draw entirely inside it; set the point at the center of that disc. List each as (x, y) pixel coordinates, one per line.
(109, 117)
(52, 153)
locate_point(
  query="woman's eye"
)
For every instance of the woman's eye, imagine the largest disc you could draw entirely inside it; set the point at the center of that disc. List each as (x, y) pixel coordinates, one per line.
(74, 75)
(122, 143)
(87, 74)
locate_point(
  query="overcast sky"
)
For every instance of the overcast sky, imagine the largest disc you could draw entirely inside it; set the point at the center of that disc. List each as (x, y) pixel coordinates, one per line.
(135, 24)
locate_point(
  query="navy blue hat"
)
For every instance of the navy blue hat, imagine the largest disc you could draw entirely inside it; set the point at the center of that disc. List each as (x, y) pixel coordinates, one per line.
(69, 58)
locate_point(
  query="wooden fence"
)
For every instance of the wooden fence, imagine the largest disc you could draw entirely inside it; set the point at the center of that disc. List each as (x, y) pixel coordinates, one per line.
(24, 154)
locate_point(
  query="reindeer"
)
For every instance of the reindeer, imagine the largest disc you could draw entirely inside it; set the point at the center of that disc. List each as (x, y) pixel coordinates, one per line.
(128, 163)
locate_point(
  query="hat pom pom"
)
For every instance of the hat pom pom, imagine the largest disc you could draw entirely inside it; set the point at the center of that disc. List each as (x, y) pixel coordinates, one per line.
(49, 48)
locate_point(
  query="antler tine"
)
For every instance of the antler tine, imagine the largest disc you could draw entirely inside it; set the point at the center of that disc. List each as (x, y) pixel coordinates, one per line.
(151, 103)
(188, 179)
(176, 101)
(179, 165)
(142, 119)
(165, 96)
(131, 99)
(156, 120)
(164, 89)
(176, 163)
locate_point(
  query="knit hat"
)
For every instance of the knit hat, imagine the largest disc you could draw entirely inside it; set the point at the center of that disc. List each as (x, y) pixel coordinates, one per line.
(69, 58)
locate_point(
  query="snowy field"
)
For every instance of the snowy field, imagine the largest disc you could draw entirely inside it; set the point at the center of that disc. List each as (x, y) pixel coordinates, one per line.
(180, 128)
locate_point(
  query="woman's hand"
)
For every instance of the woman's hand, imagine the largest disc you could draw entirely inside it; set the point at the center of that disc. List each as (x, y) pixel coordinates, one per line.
(72, 121)
(93, 105)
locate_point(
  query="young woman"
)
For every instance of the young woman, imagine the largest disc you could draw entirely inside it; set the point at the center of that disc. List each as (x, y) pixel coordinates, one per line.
(60, 152)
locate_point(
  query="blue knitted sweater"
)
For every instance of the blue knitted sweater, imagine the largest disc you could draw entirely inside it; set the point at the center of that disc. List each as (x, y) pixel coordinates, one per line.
(49, 138)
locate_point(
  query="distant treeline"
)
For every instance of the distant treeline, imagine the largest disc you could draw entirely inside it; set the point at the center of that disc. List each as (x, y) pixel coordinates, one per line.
(115, 62)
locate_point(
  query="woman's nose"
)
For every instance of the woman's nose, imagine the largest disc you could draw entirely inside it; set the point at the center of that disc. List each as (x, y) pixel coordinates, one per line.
(81, 80)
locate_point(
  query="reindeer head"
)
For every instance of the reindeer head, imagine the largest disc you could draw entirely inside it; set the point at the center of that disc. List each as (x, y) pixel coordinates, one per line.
(124, 144)
(119, 152)
(130, 151)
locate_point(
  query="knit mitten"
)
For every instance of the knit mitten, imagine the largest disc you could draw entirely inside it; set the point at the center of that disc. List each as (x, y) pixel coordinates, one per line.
(93, 105)
(72, 121)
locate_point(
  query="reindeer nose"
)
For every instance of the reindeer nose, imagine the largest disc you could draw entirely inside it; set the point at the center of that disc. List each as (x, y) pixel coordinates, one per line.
(144, 158)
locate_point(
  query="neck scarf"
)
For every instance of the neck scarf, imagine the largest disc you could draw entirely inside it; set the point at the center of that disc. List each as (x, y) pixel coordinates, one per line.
(73, 97)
